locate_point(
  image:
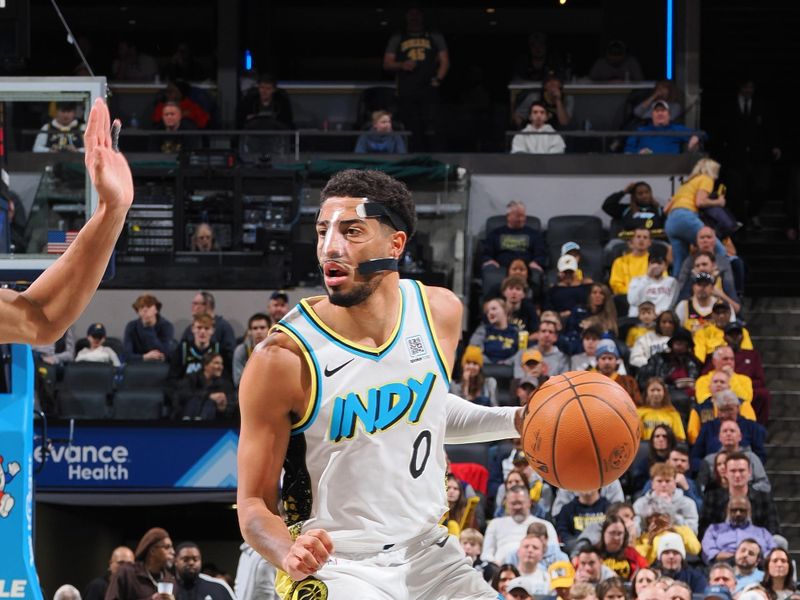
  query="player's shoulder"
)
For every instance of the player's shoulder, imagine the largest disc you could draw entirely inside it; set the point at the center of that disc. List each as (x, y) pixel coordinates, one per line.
(442, 300)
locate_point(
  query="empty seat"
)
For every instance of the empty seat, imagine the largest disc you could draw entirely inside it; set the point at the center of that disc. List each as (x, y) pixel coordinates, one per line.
(144, 375)
(88, 376)
(80, 404)
(468, 453)
(138, 404)
(574, 228)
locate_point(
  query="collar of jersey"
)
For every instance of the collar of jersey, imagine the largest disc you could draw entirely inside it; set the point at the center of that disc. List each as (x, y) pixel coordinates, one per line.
(365, 351)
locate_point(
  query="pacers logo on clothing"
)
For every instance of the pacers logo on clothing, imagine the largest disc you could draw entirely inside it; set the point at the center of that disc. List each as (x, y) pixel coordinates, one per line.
(310, 589)
(384, 406)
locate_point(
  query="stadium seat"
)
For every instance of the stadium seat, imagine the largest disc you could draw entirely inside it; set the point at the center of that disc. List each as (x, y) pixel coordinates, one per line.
(149, 375)
(468, 453)
(88, 377)
(138, 404)
(82, 404)
(583, 229)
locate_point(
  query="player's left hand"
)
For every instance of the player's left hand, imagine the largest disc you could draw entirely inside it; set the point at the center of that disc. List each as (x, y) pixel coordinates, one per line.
(107, 167)
(309, 552)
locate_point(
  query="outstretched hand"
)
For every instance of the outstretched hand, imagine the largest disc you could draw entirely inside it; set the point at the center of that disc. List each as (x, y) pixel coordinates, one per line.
(107, 167)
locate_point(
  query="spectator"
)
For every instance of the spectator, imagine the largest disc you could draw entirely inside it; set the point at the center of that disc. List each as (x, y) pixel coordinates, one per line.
(655, 285)
(748, 362)
(644, 578)
(581, 590)
(683, 221)
(204, 395)
(187, 358)
(558, 105)
(726, 408)
(633, 264)
(662, 442)
(154, 556)
(521, 311)
(616, 65)
(586, 508)
(278, 306)
(616, 551)
(97, 351)
(421, 61)
(569, 292)
(562, 576)
(96, 590)
(666, 91)
(520, 589)
(779, 574)
(712, 336)
(679, 590)
(557, 362)
(574, 249)
(695, 312)
(257, 330)
(723, 359)
(612, 589)
(641, 212)
(653, 342)
(267, 102)
(661, 144)
(503, 534)
(611, 492)
(532, 572)
(533, 371)
(705, 261)
(552, 550)
(504, 575)
(191, 582)
(537, 62)
(589, 567)
(64, 133)
(719, 264)
(721, 540)
(380, 139)
(461, 510)
(672, 563)
(608, 365)
(474, 385)
(513, 240)
(658, 521)
(587, 360)
(738, 473)
(677, 366)
(203, 239)
(717, 592)
(172, 120)
(132, 65)
(151, 336)
(538, 136)
(184, 64)
(179, 92)
(657, 409)
(746, 560)
(67, 592)
(645, 324)
(204, 303)
(730, 437)
(722, 577)
(255, 576)
(471, 541)
(497, 339)
(679, 460)
(664, 486)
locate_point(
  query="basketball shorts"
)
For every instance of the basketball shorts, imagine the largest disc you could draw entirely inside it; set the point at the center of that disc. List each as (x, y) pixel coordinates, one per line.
(434, 569)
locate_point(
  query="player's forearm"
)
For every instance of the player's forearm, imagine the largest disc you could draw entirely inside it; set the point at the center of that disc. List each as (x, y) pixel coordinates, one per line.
(471, 423)
(59, 296)
(265, 531)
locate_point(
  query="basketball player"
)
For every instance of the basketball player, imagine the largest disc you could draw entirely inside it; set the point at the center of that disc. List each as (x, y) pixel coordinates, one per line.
(351, 390)
(42, 313)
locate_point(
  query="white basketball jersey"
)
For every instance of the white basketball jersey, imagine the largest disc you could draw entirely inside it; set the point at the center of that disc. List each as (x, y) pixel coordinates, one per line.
(366, 462)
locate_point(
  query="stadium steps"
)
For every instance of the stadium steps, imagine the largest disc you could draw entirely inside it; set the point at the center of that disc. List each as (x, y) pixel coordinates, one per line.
(774, 324)
(773, 270)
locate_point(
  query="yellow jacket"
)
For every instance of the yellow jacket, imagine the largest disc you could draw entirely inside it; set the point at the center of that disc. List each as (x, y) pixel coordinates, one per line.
(741, 385)
(648, 550)
(625, 268)
(711, 337)
(650, 417)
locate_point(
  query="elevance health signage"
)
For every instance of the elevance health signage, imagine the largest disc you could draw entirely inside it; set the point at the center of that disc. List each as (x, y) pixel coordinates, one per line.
(152, 458)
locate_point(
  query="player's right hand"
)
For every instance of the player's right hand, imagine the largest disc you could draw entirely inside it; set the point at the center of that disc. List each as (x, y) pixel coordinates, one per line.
(107, 167)
(308, 554)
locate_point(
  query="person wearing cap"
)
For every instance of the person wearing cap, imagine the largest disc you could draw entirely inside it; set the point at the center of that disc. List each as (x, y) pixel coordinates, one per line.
(657, 516)
(473, 384)
(257, 329)
(655, 285)
(725, 408)
(96, 351)
(632, 264)
(717, 592)
(658, 144)
(139, 580)
(665, 90)
(722, 540)
(515, 239)
(562, 576)
(568, 292)
(521, 588)
(712, 336)
(204, 302)
(64, 133)
(748, 362)
(278, 305)
(151, 336)
(574, 249)
(723, 359)
(616, 65)
(534, 370)
(677, 366)
(704, 261)
(683, 219)
(671, 561)
(718, 264)
(608, 365)
(695, 312)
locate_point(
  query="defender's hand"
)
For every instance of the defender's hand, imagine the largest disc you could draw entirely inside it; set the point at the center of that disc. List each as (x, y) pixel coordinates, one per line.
(107, 167)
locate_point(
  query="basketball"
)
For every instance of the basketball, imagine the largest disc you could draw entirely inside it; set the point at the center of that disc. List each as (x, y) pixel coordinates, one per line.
(581, 431)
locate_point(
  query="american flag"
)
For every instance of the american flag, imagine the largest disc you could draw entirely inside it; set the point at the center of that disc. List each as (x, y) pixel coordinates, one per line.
(59, 241)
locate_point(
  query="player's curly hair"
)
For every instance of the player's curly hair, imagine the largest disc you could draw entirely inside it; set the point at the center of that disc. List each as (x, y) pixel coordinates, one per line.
(378, 187)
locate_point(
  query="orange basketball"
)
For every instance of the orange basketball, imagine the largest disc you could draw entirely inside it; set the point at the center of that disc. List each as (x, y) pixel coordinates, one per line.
(581, 432)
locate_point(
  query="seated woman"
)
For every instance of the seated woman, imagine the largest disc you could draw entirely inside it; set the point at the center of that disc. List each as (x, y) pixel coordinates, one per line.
(203, 239)
(598, 310)
(461, 513)
(380, 138)
(520, 476)
(658, 410)
(473, 384)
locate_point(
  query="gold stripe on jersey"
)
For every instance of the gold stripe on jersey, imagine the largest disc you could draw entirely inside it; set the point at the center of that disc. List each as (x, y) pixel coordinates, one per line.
(429, 318)
(313, 397)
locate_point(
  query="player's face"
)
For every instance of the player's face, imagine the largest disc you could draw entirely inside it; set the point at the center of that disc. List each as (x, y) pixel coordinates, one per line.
(344, 240)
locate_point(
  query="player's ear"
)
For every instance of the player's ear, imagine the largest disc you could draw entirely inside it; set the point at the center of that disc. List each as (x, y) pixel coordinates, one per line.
(399, 240)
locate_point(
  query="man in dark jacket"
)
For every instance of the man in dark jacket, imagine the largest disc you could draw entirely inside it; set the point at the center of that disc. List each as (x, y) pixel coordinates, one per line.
(96, 590)
(151, 336)
(191, 583)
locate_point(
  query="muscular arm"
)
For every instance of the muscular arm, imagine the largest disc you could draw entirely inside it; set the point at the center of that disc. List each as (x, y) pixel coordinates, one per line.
(446, 309)
(57, 298)
(274, 386)
(468, 423)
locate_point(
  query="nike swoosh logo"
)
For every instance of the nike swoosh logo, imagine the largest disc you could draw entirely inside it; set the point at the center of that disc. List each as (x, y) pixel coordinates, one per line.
(329, 372)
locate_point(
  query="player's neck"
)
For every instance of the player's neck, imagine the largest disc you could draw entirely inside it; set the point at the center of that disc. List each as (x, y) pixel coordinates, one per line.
(372, 320)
